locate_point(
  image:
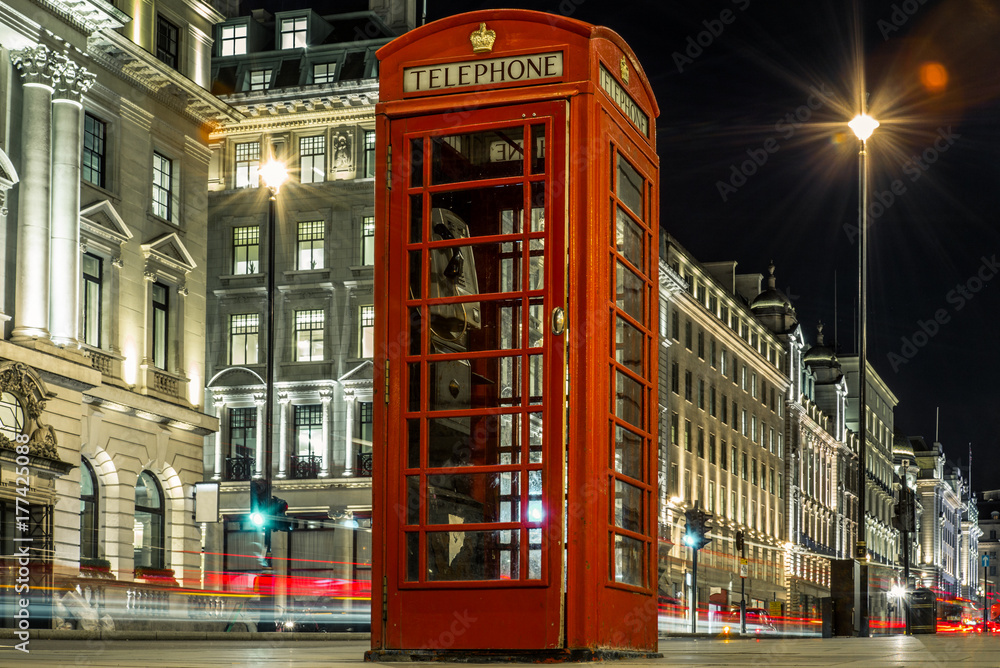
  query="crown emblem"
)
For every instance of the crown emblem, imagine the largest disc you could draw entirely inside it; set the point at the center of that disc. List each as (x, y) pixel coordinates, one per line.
(482, 39)
(624, 70)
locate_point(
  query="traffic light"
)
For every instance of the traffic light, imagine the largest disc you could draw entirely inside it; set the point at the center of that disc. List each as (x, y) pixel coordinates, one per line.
(739, 542)
(696, 532)
(258, 502)
(276, 515)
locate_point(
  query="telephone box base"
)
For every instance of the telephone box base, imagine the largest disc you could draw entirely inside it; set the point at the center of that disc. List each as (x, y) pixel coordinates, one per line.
(506, 656)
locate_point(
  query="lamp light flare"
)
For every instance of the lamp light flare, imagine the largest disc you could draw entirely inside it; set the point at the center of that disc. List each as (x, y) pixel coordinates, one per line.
(863, 126)
(273, 174)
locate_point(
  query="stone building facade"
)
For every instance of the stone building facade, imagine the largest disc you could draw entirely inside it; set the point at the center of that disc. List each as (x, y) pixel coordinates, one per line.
(103, 160)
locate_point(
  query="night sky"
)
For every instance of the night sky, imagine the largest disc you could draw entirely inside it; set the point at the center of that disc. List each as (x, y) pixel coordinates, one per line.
(735, 76)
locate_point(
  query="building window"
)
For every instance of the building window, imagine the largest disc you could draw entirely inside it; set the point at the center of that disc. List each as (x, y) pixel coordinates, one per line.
(148, 538)
(259, 80)
(722, 362)
(688, 389)
(368, 241)
(711, 448)
(746, 465)
(701, 442)
(723, 456)
(701, 393)
(675, 378)
(11, 416)
(293, 33)
(724, 404)
(243, 332)
(675, 326)
(247, 164)
(233, 40)
(94, 150)
(324, 73)
(309, 444)
(365, 423)
(753, 472)
(711, 402)
(91, 288)
(367, 333)
(674, 429)
(246, 250)
(369, 153)
(687, 335)
(166, 41)
(310, 245)
(89, 517)
(160, 311)
(312, 159)
(243, 432)
(701, 344)
(687, 435)
(162, 179)
(309, 335)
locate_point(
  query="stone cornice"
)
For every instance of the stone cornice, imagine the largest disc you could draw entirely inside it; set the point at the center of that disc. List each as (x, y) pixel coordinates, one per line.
(141, 69)
(87, 16)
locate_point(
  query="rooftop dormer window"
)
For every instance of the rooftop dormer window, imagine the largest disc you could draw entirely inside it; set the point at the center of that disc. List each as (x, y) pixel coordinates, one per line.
(293, 33)
(233, 40)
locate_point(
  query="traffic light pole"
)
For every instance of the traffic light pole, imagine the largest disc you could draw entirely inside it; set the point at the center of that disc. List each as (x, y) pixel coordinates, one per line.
(694, 590)
(267, 572)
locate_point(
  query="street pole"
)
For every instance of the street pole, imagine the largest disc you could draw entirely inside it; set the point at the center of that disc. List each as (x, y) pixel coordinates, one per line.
(694, 590)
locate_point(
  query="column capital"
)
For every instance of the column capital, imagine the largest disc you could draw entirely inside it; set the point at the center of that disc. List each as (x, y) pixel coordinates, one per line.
(259, 399)
(35, 63)
(326, 395)
(71, 80)
(283, 398)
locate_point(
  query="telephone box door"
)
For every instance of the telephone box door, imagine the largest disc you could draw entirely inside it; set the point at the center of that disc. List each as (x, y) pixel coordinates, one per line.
(476, 278)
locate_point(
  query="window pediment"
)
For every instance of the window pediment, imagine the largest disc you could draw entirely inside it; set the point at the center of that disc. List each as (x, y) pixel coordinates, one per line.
(102, 222)
(169, 250)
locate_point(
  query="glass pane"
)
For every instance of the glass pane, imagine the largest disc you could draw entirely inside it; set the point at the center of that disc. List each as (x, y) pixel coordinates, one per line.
(630, 187)
(535, 432)
(413, 443)
(479, 383)
(536, 269)
(497, 326)
(629, 345)
(629, 399)
(472, 498)
(627, 561)
(413, 499)
(538, 149)
(628, 506)
(416, 219)
(629, 239)
(416, 330)
(485, 440)
(534, 554)
(491, 154)
(414, 392)
(472, 555)
(628, 453)
(536, 511)
(629, 292)
(415, 274)
(416, 163)
(477, 212)
(535, 379)
(412, 557)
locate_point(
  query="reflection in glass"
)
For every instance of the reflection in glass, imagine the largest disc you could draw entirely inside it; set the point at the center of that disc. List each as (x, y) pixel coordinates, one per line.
(537, 207)
(536, 512)
(414, 392)
(538, 155)
(629, 292)
(628, 506)
(630, 186)
(627, 561)
(535, 432)
(534, 554)
(416, 163)
(536, 271)
(473, 498)
(535, 379)
(464, 384)
(416, 329)
(413, 499)
(628, 345)
(472, 555)
(629, 404)
(416, 219)
(486, 211)
(415, 274)
(484, 440)
(628, 453)
(629, 238)
(413, 443)
(491, 154)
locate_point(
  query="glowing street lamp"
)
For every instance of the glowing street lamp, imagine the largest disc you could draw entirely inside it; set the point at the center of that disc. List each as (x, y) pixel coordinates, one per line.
(274, 175)
(863, 126)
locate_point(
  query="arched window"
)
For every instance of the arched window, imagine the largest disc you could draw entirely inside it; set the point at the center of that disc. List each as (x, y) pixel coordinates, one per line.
(11, 416)
(88, 512)
(148, 539)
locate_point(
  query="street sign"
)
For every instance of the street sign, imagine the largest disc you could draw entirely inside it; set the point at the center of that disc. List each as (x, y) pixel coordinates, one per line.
(986, 561)
(744, 568)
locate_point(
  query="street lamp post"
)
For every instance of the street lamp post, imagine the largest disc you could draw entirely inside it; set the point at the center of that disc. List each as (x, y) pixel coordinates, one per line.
(863, 126)
(272, 176)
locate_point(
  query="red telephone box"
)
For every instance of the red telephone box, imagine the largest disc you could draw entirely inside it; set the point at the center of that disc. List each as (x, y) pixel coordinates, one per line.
(516, 300)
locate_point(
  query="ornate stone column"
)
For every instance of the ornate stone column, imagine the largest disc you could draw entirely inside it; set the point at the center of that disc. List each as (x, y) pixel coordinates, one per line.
(283, 402)
(220, 409)
(326, 396)
(71, 82)
(258, 400)
(349, 433)
(31, 290)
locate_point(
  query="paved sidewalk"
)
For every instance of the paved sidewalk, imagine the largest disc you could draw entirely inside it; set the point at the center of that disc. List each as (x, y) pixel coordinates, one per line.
(890, 652)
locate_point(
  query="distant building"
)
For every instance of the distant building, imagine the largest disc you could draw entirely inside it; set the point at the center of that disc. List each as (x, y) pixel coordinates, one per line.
(988, 508)
(723, 394)
(103, 216)
(306, 87)
(941, 492)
